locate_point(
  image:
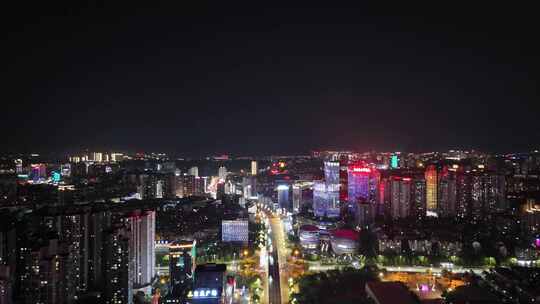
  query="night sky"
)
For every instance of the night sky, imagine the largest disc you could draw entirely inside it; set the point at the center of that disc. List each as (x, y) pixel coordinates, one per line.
(220, 78)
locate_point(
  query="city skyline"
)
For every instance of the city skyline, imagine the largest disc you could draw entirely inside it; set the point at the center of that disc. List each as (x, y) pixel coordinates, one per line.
(194, 152)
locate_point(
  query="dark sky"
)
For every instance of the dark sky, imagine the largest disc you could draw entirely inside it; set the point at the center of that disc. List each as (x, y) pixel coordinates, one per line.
(249, 79)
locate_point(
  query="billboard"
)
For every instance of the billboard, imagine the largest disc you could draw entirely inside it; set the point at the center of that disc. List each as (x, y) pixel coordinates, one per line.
(234, 231)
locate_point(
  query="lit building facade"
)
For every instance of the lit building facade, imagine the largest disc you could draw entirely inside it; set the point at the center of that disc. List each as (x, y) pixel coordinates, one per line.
(283, 197)
(431, 188)
(235, 231)
(325, 202)
(194, 171)
(254, 167)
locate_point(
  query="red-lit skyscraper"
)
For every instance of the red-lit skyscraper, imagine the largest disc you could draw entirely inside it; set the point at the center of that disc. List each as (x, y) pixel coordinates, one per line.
(362, 182)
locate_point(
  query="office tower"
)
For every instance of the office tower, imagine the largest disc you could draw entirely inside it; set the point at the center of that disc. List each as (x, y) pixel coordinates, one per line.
(362, 184)
(431, 188)
(325, 202)
(222, 173)
(283, 197)
(181, 266)
(209, 283)
(194, 171)
(331, 175)
(254, 167)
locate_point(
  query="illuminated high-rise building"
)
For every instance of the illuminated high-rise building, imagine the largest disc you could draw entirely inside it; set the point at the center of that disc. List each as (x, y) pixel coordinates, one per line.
(254, 167)
(431, 188)
(283, 197)
(200, 185)
(65, 170)
(400, 198)
(394, 161)
(97, 157)
(38, 171)
(362, 184)
(418, 199)
(118, 271)
(447, 193)
(325, 202)
(463, 193)
(343, 178)
(194, 171)
(116, 157)
(185, 186)
(331, 175)
(222, 173)
(487, 193)
(18, 166)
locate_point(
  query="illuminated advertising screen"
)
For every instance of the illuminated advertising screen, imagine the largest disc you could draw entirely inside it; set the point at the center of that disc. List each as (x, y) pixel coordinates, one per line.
(234, 231)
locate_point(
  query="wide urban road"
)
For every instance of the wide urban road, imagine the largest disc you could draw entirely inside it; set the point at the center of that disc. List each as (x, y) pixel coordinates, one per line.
(274, 286)
(280, 259)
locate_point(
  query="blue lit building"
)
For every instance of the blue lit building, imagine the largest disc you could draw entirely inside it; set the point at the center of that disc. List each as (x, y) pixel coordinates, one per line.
(363, 187)
(331, 175)
(283, 197)
(325, 202)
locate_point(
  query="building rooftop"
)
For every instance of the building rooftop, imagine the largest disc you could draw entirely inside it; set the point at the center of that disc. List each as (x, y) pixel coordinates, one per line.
(309, 228)
(346, 234)
(211, 267)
